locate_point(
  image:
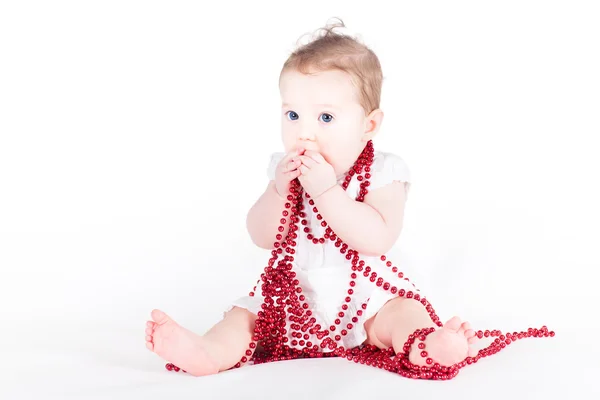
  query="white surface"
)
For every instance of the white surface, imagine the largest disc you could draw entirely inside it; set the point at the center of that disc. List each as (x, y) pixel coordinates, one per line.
(109, 362)
(135, 136)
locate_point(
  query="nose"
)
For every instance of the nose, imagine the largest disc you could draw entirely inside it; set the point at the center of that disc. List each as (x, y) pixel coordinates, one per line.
(306, 133)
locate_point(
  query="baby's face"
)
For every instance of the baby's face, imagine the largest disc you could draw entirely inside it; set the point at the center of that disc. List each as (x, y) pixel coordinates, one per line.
(322, 113)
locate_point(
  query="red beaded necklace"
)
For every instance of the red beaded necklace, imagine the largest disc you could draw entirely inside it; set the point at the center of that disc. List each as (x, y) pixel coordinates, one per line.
(284, 301)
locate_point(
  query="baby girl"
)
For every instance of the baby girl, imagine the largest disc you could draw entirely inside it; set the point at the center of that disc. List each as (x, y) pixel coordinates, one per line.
(349, 215)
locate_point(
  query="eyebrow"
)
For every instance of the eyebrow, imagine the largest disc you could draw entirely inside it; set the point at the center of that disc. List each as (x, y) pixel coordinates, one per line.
(325, 105)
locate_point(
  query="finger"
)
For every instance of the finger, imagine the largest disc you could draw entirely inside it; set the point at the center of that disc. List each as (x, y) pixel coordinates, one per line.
(293, 174)
(297, 152)
(315, 156)
(292, 165)
(307, 161)
(291, 154)
(303, 169)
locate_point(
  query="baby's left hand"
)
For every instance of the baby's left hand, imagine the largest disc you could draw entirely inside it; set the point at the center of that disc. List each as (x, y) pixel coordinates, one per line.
(316, 175)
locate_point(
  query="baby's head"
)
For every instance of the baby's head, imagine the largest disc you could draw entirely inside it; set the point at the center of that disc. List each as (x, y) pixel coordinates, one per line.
(330, 91)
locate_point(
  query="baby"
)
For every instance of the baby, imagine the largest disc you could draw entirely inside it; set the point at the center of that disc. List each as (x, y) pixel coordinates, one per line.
(349, 214)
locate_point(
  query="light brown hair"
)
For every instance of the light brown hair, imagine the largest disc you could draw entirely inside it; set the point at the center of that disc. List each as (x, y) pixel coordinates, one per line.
(337, 51)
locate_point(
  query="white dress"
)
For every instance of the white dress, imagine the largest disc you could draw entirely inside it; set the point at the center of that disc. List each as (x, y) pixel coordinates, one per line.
(324, 273)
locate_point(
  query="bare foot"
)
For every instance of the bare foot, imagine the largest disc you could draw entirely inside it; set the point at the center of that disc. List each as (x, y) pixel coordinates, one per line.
(447, 346)
(179, 346)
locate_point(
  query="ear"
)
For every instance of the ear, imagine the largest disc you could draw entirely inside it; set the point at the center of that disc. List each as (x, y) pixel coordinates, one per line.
(372, 124)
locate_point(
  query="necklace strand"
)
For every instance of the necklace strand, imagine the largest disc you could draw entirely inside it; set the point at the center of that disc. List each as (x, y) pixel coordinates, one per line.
(284, 301)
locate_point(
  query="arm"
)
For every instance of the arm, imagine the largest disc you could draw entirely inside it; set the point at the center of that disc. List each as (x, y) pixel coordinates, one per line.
(263, 219)
(371, 227)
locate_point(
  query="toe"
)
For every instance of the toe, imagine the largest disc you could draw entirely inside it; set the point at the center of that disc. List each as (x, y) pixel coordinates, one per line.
(149, 331)
(453, 324)
(469, 333)
(149, 346)
(159, 317)
(150, 324)
(472, 340)
(465, 326)
(148, 338)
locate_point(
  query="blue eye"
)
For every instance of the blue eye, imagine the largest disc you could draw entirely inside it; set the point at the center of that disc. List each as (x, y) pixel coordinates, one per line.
(328, 119)
(293, 115)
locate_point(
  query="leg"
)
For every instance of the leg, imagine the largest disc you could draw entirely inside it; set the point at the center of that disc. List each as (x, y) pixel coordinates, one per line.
(400, 317)
(218, 350)
(231, 336)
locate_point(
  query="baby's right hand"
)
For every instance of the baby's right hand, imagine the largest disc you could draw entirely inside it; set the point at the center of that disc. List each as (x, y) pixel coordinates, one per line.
(287, 170)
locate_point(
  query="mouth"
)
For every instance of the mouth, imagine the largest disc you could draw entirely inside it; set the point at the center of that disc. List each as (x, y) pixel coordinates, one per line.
(303, 149)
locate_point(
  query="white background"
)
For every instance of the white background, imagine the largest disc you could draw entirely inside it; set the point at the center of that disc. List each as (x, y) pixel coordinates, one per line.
(135, 136)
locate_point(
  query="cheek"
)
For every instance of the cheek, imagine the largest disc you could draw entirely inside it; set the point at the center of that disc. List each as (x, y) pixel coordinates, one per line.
(338, 138)
(288, 141)
(286, 132)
